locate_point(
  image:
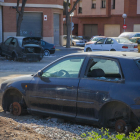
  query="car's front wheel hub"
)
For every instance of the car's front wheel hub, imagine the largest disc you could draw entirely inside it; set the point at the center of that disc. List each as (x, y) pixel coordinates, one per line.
(15, 109)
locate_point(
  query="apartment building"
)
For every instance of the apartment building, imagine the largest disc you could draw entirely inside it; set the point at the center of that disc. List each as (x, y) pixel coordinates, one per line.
(104, 17)
(41, 18)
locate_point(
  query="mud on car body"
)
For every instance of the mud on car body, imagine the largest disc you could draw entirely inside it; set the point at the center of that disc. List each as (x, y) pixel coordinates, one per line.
(101, 88)
(25, 48)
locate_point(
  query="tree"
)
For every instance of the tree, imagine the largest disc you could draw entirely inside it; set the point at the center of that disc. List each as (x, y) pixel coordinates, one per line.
(68, 24)
(20, 15)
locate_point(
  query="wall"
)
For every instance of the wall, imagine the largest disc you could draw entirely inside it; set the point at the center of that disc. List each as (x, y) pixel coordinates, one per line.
(119, 7)
(87, 10)
(9, 19)
(59, 2)
(138, 6)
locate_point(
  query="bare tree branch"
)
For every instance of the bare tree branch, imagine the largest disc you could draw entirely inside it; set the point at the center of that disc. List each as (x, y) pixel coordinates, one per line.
(17, 6)
(73, 8)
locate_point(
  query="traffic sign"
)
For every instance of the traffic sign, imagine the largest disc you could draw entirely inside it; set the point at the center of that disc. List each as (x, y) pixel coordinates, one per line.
(124, 26)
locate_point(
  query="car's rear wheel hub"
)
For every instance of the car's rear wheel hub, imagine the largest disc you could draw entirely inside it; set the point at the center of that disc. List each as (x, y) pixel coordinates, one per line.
(120, 126)
(15, 109)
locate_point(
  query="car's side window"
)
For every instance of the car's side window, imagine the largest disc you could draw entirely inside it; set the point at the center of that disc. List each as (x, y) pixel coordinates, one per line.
(101, 41)
(65, 68)
(7, 42)
(137, 35)
(103, 69)
(138, 41)
(13, 43)
(109, 41)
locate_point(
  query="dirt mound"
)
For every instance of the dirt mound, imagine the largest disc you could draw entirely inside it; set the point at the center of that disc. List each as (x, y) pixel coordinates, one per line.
(11, 130)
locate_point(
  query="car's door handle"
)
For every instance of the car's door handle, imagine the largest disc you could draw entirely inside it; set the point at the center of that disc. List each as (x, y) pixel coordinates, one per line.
(70, 87)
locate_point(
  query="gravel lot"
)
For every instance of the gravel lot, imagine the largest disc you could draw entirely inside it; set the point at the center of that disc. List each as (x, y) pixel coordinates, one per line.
(30, 126)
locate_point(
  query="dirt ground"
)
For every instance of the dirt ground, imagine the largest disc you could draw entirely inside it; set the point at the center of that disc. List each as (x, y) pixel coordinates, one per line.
(11, 130)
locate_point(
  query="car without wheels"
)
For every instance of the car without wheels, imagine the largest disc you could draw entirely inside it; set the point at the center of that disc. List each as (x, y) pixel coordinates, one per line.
(99, 88)
(25, 48)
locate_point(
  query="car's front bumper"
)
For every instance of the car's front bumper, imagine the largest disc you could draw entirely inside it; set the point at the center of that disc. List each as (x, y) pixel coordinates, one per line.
(80, 44)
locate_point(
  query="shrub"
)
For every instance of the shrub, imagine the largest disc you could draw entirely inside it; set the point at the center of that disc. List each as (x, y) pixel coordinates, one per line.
(105, 135)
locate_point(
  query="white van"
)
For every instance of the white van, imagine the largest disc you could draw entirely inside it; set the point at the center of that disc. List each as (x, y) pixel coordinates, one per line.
(130, 34)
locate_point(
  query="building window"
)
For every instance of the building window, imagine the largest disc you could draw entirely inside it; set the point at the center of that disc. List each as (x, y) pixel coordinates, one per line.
(93, 4)
(80, 7)
(113, 4)
(103, 4)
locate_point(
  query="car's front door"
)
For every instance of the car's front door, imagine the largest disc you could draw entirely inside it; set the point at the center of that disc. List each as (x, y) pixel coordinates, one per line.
(5, 46)
(12, 46)
(55, 91)
(98, 46)
(101, 77)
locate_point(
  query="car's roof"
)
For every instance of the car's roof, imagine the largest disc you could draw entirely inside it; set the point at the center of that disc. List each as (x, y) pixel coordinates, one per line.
(112, 54)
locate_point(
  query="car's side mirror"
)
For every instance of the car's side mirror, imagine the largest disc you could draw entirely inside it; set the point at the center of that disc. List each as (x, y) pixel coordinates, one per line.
(39, 74)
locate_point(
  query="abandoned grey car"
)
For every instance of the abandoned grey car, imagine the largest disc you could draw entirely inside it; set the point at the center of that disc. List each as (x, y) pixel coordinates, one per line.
(25, 48)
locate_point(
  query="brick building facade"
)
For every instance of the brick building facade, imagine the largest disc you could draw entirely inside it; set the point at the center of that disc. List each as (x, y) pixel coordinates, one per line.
(104, 17)
(43, 18)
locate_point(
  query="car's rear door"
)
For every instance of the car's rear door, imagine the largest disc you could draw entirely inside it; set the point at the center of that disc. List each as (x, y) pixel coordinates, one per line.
(100, 78)
(5, 46)
(55, 92)
(108, 45)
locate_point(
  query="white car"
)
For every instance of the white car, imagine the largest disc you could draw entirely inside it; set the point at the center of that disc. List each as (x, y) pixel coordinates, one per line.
(76, 41)
(112, 44)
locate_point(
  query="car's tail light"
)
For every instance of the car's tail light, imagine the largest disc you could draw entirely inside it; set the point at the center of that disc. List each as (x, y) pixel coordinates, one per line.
(54, 47)
(125, 47)
(135, 46)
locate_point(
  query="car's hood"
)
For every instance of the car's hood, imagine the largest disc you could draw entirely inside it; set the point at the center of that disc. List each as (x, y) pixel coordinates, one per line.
(90, 42)
(17, 79)
(77, 40)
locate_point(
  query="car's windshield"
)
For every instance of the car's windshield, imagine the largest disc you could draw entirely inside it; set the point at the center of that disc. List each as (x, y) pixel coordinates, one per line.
(96, 38)
(122, 40)
(76, 37)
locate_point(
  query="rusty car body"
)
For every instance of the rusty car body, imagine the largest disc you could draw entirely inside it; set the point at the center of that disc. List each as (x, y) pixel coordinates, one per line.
(101, 88)
(25, 48)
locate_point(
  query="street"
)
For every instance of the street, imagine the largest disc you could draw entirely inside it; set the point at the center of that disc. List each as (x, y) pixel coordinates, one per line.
(10, 69)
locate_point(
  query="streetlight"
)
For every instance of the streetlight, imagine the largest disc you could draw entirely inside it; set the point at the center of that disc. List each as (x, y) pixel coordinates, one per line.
(71, 15)
(124, 17)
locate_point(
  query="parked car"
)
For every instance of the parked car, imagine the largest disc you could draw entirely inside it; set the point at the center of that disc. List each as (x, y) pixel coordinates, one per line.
(48, 48)
(112, 44)
(101, 88)
(94, 39)
(76, 41)
(136, 40)
(130, 34)
(26, 48)
(85, 38)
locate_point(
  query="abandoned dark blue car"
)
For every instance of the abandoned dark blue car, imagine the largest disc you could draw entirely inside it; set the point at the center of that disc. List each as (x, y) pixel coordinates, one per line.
(100, 88)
